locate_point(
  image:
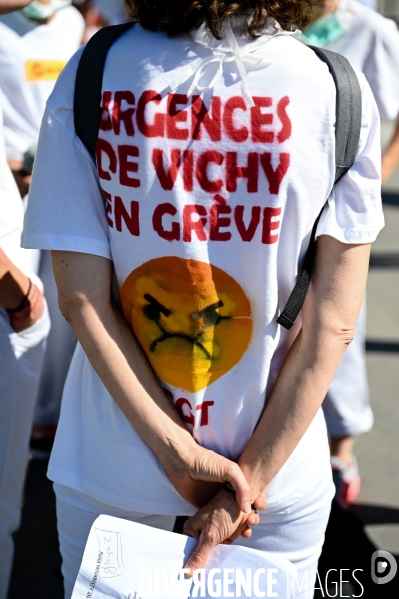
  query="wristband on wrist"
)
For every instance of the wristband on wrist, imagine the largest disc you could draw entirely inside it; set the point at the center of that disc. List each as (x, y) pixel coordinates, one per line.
(24, 304)
(22, 320)
(31, 305)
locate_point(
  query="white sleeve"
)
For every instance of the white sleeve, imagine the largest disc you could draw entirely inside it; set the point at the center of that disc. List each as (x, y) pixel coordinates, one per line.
(382, 69)
(66, 207)
(354, 209)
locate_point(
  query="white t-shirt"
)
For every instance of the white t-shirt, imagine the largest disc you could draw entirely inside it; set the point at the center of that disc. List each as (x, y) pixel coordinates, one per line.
(371, 44)
(31, 58)
(11, 212)
(12, 216)
(206, 208)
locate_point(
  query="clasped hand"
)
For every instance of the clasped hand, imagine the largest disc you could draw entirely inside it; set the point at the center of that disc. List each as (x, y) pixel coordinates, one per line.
(222, 516)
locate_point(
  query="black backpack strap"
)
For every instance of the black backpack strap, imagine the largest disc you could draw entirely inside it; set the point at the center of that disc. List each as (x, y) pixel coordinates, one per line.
(348, 111)
(88, 86)
(347, 136)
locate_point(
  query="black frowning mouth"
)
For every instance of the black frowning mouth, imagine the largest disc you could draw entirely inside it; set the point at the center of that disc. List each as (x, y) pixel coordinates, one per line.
(210, 316)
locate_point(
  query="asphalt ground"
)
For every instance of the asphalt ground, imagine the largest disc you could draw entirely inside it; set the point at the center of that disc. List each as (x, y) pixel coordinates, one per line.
(352, 537)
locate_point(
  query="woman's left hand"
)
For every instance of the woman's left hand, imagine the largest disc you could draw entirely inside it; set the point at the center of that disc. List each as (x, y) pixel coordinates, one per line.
(220, 521)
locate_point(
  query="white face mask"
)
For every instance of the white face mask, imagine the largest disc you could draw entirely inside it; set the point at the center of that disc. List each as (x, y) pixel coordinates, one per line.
(40, 12)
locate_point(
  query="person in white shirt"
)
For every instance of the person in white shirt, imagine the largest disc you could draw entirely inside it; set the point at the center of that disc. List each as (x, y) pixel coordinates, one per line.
(371, 43)
(35, 44)
(175, 251)
(24, 327)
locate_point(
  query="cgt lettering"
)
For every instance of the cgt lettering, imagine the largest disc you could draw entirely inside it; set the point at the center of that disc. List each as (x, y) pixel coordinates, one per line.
(185, 409)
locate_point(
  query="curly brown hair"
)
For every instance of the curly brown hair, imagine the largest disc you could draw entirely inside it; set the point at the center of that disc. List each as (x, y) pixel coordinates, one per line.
(177, 16)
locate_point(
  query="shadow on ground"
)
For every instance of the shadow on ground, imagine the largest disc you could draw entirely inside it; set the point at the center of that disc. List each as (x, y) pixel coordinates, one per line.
(347, 548)
(37, 573)
(37, 562)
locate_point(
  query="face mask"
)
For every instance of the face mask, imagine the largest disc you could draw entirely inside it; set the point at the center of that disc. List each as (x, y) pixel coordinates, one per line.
(40, 12)
(324, 31)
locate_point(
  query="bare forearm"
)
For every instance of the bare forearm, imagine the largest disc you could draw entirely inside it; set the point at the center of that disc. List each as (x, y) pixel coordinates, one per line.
(13, 283)
(330, 314)
(390, 157)
(19, 296)
(299, 391)
(123, 368)
(10, 5)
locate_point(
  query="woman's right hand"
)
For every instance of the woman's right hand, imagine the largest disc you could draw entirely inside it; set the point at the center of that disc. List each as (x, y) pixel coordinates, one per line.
(201, 473)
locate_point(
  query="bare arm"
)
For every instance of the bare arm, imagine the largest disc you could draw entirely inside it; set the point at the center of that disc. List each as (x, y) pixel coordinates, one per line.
(329, 320)
(84, 288)
(13, 283)
(10, 5)
(390, 158)
(14, 287)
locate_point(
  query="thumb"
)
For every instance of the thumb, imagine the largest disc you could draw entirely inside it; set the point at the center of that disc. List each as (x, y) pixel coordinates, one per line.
(260, 503)
(200, 555)
(237, 481)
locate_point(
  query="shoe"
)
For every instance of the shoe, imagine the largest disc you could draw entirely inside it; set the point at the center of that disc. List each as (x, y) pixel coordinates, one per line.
(346, 480)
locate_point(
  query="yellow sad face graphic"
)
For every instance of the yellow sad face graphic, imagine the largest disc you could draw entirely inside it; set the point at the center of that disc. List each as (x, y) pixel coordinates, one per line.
(192, 319)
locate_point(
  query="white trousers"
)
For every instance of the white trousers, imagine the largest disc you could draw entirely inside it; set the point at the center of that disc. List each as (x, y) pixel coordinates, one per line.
(21, 358)
(296, 533)
(346, 407)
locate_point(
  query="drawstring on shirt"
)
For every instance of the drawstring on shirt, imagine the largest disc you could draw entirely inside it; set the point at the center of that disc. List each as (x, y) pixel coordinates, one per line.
(231, 38)
(220, 56)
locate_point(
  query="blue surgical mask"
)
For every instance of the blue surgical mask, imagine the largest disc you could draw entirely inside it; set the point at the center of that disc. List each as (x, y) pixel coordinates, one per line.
(40, 12)
(324, 31)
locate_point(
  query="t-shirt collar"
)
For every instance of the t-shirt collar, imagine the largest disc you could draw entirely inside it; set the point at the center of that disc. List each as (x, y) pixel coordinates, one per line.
(234, 47)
